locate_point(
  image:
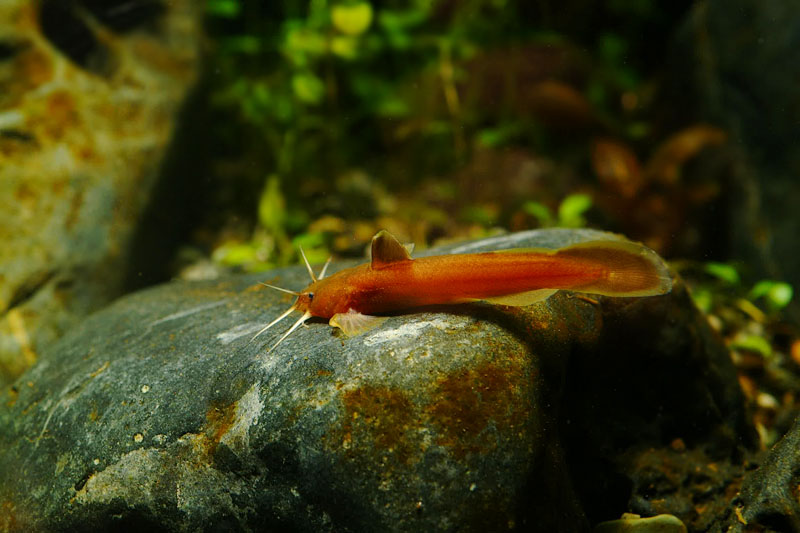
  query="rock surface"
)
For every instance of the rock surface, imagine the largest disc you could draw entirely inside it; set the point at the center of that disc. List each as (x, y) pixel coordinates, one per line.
(159, 413)
(89, 93)
(768, 499)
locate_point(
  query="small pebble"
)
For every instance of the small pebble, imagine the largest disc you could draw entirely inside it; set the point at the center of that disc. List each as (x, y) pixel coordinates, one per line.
(678, 445)
(632, 523)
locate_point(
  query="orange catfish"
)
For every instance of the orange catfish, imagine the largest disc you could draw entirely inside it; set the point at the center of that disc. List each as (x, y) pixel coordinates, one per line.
(392, 281)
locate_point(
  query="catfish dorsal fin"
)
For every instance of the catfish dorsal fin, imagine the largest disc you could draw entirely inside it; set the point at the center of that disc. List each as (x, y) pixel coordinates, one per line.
(386, 249)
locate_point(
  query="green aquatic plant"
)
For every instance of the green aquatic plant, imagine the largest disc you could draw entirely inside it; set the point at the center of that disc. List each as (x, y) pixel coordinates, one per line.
(775, 294)
(569, 214)
(308, 81)
(270, 244)
(718, 289)
(724, 282)
(723, 271)
(308, 91)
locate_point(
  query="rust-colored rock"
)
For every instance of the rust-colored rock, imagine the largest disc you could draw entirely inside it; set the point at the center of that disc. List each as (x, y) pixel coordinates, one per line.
(87, 110)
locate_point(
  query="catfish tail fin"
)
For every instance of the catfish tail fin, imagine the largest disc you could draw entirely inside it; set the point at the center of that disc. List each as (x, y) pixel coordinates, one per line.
(630, 269)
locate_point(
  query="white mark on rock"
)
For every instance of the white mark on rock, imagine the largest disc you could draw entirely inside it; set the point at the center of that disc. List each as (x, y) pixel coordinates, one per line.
(47, 422)
(131, 478)
(236, 332)
(410, 329)
(67, 397)
(187, 312)
(248, 409)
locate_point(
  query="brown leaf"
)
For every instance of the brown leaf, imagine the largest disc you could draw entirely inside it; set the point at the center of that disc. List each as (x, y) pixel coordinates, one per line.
(617, 167)
(666, 163)
(559, 106)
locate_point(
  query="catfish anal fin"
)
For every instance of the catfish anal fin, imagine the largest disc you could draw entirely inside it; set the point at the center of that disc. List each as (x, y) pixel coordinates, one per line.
(522, 298)
(354, 323)
(386, 249)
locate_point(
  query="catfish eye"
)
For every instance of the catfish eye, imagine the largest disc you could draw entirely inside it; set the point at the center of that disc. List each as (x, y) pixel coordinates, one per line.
(310, 296)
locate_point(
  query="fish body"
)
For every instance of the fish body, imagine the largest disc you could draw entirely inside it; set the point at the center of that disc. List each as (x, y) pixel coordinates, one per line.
(393, 282)
(450, 279)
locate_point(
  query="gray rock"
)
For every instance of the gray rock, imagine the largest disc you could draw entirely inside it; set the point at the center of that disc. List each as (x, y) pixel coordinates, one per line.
(158, 412)
(768, 500)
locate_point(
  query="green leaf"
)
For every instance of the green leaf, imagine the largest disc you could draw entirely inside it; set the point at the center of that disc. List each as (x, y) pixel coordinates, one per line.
(401, 20)
(391, 107)
(612, 48)
(703, 299)
(309, 240)
(235, 254)
(571, 210)
(752, 343)
(776, 293)
(540, 212)
(272, 206)
(397, 24)
(596, 93)
(638, 130)
(479, 214)
(302, 45)
(241, 44)
(297, 219)
(780, 295)
(345, 46)
(223, 8)
(308, 88)
(313, 245)
(352, 19)
(722, 271)
(499, 136)
(491, 137)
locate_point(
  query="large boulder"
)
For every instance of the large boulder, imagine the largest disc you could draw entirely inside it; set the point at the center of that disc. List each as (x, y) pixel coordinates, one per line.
(160, 412)
(89, 93)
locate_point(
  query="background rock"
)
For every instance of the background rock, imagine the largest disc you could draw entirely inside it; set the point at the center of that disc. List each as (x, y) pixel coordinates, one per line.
(89, 94)
(159, 412)
(734, 66)
(768, 500)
